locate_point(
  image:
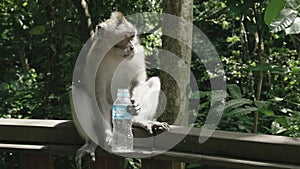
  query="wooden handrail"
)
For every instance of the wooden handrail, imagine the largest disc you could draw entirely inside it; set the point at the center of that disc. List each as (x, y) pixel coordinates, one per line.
(226, 149)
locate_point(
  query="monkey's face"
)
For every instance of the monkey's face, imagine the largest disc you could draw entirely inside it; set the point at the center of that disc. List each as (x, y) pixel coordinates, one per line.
(118, 33)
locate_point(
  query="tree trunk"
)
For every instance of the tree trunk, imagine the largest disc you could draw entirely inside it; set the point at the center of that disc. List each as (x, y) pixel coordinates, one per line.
(177, 109)
(260, 52)
(175, 90)
(85, 21)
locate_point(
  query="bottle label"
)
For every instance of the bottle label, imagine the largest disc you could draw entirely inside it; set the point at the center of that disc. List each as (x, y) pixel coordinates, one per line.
(119, 112)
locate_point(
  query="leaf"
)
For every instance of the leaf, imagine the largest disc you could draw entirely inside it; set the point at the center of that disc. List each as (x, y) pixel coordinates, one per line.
(267, 112)
(277, 69)
(25, 4)
(203, 105)
(273, 10)
(37, 30)
(218, 95)
(293, 3)
(260, 67)
(241, 127)
(241, 111)
(282, 120)
(294, 28)
(276, 128)
(235, 91)
(198, 94)
(285, 19)
(278, 99)
(296, 70)
(232, 104)
(261, 104)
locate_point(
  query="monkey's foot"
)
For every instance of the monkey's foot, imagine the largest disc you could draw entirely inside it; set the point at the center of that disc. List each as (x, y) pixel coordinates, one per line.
(108, 137)
(152, 126)
(87, 149)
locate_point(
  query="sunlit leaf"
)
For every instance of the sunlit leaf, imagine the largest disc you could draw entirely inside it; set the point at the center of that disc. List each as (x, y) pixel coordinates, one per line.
(296, 70)
(267, 112)
(273, 10)
(278, 99)
(285, 19)
(293, 3)
(276, 128)
(25, 4)
(294, 28)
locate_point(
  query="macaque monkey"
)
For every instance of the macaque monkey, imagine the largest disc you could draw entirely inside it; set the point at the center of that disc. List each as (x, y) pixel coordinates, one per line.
(122, 66)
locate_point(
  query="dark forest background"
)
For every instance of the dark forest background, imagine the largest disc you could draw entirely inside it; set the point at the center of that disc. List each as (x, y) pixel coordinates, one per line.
(257, 41)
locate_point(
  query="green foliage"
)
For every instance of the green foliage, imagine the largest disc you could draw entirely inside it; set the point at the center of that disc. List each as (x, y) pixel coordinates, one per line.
(294, 28)
(9, 160)
(273, 10)
(236, 107)
(239, 111)
(40, 42)
(235, 91)
(286, 125)
(193, 166)
(37, 30)
(132, 163)
(39, 55)
(287, 19)
(19, 96)
(284, 20)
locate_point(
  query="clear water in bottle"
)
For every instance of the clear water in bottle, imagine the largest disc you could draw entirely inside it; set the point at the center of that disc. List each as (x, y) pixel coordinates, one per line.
(122, 122)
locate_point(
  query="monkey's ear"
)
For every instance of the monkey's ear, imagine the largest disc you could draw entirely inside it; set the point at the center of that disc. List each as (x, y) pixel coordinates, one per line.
(98, 27)
(117, 16)
(98, 30)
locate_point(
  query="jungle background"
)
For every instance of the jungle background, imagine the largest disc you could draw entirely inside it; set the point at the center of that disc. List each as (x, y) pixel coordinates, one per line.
(257, 41)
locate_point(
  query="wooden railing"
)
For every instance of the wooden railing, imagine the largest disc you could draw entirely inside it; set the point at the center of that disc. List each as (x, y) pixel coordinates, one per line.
(38, 140)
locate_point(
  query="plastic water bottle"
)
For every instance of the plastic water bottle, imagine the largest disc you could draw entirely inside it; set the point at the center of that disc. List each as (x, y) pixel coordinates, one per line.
(122, 122)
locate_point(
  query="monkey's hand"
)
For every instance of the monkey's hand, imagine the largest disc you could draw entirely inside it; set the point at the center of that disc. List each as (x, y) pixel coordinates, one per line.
(151, 126)
(133, 110)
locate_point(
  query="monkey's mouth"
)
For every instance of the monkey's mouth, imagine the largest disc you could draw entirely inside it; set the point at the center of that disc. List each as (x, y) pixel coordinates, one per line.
(125, 47)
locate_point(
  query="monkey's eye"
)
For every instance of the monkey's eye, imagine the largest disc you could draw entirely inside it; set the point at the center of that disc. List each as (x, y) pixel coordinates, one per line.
(98, 27)
(131, 37)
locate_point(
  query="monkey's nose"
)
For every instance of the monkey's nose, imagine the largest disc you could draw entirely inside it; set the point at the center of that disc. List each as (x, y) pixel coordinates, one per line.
(132, 101)
(130, 35)
(131, 47)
